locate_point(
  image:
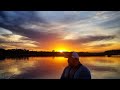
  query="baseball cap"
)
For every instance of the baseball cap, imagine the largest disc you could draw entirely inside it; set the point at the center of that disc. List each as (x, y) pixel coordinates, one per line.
(75, 55)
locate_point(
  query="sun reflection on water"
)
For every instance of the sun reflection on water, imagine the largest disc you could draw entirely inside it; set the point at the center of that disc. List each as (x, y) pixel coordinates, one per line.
(52, 67)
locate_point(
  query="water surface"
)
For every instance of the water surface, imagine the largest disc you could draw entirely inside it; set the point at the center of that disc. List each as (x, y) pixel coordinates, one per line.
(52, 67)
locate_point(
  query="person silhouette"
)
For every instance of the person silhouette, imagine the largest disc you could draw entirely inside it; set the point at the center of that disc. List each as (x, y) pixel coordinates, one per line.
(75, 70)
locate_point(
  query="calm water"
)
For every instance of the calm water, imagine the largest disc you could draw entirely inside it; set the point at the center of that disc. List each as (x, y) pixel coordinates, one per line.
(52, 68)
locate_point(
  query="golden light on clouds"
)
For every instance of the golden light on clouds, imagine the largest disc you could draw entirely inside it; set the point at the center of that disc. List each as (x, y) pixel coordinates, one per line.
(60, 31)
(61, 49)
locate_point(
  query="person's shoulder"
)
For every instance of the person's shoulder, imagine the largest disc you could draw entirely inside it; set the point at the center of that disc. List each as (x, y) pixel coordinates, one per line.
(84, 68)
(67, 67)
(83, 73)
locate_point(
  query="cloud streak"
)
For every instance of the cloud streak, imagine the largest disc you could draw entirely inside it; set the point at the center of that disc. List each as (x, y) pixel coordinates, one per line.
(89, 39)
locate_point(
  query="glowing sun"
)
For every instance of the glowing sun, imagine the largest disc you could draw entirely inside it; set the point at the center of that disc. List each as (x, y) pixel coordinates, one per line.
(61, 51)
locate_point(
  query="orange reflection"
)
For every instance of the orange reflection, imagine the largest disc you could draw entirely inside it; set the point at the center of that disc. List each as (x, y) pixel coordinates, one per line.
(47, 67)
(60, 60)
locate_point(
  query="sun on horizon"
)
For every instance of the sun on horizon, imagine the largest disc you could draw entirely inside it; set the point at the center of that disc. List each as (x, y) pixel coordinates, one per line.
(61, 51)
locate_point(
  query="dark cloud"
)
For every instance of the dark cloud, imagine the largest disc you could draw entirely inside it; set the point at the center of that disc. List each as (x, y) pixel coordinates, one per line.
(96, 38)
(19, 17)
(5, 41)
(7, 35)
(43, 38)
(2, 15)
(13, 21)
(101, 45)
(89, 39)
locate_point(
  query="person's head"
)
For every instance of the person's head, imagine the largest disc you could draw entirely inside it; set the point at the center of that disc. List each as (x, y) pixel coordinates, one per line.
(73, 59)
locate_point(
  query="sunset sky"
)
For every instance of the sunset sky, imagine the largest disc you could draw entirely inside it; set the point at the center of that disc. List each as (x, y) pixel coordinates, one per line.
(60, 30)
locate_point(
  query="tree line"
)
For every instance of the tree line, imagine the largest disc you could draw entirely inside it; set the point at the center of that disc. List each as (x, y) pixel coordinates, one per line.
(28, 53)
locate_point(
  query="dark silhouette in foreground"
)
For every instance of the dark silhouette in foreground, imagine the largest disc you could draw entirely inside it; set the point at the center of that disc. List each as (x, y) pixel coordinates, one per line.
(75, 70)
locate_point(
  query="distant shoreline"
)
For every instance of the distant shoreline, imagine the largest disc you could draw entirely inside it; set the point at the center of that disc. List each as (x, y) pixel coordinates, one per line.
(22, 53)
